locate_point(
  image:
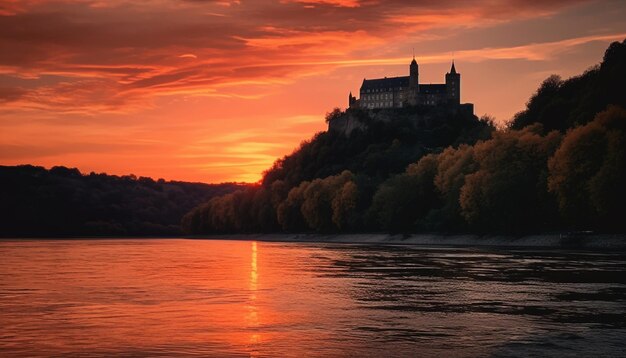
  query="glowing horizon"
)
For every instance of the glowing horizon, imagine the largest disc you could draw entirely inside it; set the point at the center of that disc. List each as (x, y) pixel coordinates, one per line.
(216, 91)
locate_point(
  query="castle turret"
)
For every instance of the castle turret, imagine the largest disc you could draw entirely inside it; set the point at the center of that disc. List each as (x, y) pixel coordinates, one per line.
(453, 85)
(414, 83)
(414, 75)
(351, 100)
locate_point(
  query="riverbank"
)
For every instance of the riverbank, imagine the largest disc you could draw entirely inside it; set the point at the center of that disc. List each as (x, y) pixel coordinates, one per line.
(546, 241)
(589, 241)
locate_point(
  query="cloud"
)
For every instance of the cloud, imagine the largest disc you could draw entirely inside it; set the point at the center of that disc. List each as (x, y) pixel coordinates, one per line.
(217, 90)
(11, 94)
(337, 3)
(119, 56)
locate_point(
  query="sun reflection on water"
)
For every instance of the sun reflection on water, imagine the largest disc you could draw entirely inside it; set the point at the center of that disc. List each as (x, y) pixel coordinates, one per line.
(252, 316)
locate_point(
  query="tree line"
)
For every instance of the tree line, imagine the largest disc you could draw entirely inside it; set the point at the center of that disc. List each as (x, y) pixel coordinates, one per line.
(64, 202)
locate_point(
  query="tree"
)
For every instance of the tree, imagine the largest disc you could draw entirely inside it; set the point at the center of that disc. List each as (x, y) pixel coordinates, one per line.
(344, 206)
(588, 172)
(508, 191)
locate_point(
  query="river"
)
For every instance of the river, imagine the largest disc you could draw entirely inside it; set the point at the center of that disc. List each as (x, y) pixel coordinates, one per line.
(220, 298)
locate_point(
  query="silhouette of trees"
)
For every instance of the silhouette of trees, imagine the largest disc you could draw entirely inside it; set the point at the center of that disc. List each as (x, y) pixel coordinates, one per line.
(560, 105)
(385, 148)
(508, 191)
(332, 115)
(62, 201)
(403, 200)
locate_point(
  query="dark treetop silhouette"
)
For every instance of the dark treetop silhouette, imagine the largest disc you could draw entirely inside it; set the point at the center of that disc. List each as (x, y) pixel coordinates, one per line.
(62, 201)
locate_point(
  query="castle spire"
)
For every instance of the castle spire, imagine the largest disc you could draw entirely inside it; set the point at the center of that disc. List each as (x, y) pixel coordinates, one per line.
(453, 70)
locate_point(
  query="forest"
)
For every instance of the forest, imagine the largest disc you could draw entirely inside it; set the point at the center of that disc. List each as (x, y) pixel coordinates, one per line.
(64, 202)
(559, 165)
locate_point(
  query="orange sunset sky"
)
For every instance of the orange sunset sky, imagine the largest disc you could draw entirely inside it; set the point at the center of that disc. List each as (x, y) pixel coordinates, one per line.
(216, 90)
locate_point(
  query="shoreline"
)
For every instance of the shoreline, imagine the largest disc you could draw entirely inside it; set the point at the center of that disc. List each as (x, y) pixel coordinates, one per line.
(556, 241)
(539, 241)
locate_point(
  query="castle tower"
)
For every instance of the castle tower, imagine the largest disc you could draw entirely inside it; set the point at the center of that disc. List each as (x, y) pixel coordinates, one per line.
(453, 85)
(351, 100)
(414, 82)
(414, 75)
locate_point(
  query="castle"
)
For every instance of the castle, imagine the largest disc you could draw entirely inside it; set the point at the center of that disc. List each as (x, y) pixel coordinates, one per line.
(396, 92)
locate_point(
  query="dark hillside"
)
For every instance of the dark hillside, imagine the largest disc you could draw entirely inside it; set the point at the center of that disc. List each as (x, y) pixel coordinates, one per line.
(560, 105)
(62, 201)
(383, 143)
(328, 183)
(561, 166)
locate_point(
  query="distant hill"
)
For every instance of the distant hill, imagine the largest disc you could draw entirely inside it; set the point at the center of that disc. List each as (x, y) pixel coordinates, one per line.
(63, 202)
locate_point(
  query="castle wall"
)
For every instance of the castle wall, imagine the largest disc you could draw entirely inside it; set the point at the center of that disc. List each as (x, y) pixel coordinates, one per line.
(378, 98)
(397, 92)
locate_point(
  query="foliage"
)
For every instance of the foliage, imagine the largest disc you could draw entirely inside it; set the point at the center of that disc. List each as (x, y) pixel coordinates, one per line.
(328, 184)
(383, 148)
(403, 200)
(558, 166)
(508, 191)
(333, 115)
(588, 172)
(560, 105)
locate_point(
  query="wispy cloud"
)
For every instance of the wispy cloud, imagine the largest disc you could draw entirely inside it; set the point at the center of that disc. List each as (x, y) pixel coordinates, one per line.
(115, 57)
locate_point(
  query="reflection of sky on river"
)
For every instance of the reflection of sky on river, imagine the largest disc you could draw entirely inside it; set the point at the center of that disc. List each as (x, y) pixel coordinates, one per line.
(256, 299)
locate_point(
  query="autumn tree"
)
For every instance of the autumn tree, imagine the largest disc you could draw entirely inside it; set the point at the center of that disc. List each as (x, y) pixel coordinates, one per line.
(588, 172)
(508, 191)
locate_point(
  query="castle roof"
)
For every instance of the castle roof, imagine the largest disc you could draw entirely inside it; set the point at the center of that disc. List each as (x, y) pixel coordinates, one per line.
(433, 89)
(385, 83)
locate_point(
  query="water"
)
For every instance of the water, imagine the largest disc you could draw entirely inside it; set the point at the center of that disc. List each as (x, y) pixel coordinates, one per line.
(255, 299)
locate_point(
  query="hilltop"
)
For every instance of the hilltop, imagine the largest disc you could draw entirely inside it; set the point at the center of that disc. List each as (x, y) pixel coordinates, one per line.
(559, 166)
